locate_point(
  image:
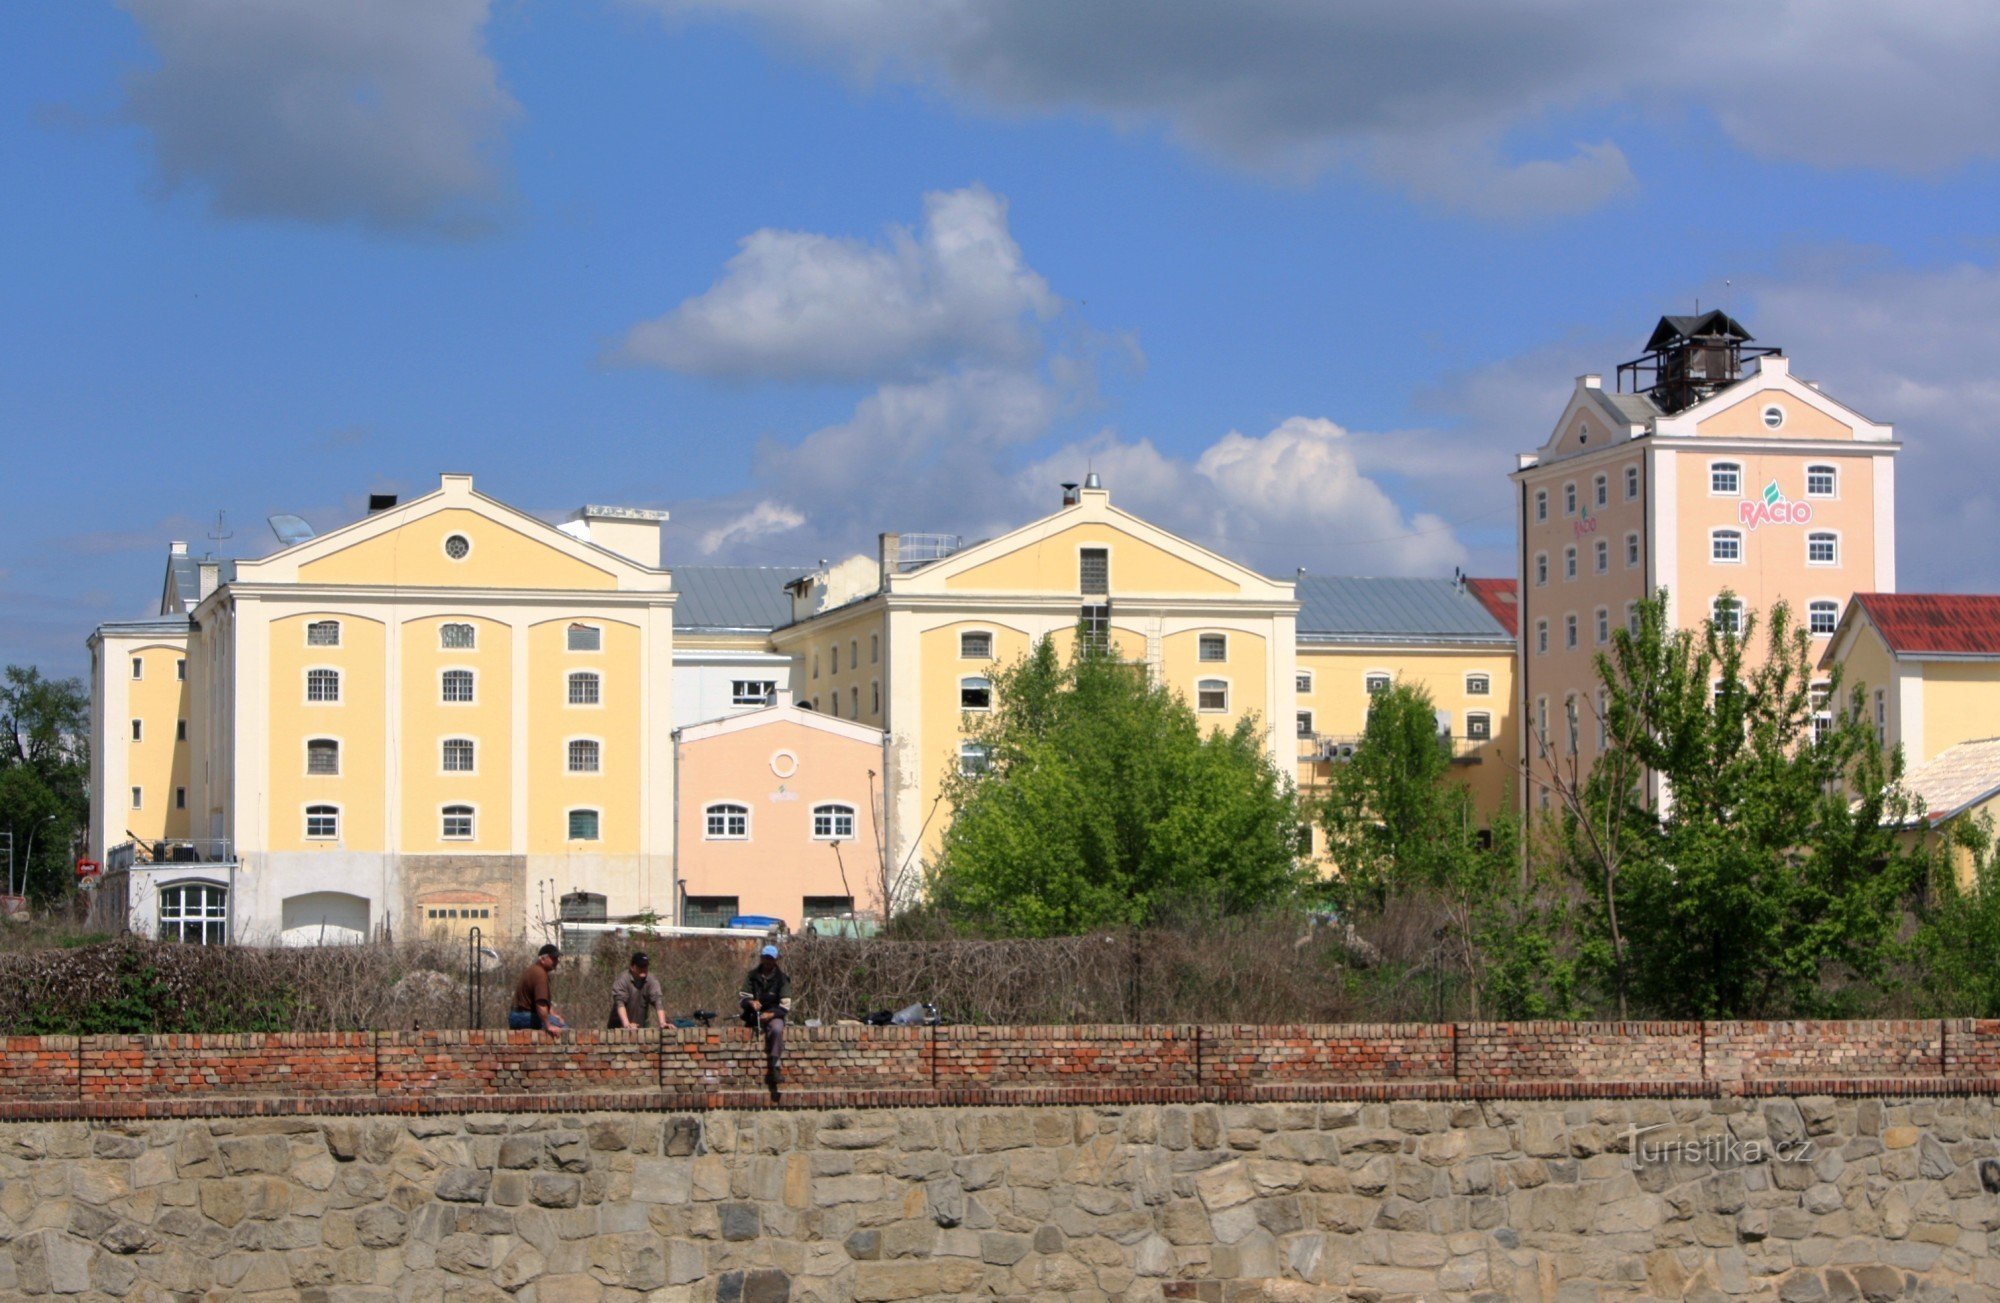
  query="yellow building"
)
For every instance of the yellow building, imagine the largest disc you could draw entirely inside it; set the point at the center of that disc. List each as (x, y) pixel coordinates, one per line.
(1712, 471)
(908, 641)
(444, 714)
(1359, 636)
(1928, 665)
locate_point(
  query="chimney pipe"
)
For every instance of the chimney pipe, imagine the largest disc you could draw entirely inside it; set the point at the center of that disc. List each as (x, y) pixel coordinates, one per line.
(1091, 481)
(891, 554)
(1069, 493)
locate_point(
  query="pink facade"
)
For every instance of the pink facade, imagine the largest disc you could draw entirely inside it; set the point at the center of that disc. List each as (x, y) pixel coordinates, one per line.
(779, 815)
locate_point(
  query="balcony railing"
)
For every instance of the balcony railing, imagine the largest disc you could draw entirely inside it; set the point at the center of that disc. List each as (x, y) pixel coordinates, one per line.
(169, 850)
(1327, 748)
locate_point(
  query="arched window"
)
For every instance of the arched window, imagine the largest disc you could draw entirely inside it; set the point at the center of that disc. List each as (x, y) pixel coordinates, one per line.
(583, 688)
(975, 693)
(1822, 482)
(458, 755)
(457, 637)
(833, 822)
(725, 821)
(457, 685)
(323, 633)
(1725, 479)
(322, 823)
(457, 823)
(1375, 681)
(322, 685)
(1478, 726)
(322, 756)
(1822, 549)
(1478, 685)
(1211, 695)
(1822, 617)
(194, 912)
(974, 758)
(583, 756)
(1725, 546)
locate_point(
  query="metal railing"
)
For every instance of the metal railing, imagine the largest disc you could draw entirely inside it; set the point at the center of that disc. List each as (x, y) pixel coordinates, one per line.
(1326, 748)
(140, 852)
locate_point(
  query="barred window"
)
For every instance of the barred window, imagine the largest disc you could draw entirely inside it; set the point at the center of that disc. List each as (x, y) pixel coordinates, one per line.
(583, 756)
(322, 756)
(975, 646)
(457, 637)
(583, 688)
(322, 685)
(323, 633)
(1212, 647)
(583, 825)
(458, 755)
(457, 685)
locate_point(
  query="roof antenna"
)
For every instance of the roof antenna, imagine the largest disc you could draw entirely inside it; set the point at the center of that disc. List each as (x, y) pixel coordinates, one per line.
(221, 533)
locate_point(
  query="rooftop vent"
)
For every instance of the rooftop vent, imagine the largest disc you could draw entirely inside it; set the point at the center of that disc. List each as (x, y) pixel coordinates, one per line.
(1689, 358)
(1091, 481)
(1069, 493)
(380, 502)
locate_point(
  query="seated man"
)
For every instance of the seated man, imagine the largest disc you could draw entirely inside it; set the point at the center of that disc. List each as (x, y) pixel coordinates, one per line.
(532, 1009)
(635, 995)
(767, 999)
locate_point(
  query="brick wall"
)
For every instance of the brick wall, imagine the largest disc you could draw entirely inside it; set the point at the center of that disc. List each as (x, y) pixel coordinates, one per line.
(359, 1072)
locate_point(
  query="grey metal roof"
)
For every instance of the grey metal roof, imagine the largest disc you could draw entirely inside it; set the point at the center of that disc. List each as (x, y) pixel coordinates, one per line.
(733, 597)
(1636, 408)
(1392, 611)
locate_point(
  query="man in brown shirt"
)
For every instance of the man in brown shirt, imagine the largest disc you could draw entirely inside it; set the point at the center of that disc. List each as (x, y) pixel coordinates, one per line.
(635, 994)
(532, 1009)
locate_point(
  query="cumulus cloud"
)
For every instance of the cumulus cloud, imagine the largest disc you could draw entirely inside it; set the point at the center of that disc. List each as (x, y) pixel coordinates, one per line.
(794, 305)
(1428, 95)
(384, 113)
(759, 522)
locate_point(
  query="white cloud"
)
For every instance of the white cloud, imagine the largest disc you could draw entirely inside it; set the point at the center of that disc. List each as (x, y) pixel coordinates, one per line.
(794, 305)
(385, 113)
(760, 522)
(1427, 95)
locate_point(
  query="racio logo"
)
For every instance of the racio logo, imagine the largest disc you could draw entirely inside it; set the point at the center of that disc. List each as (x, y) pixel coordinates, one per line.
(1774, 508)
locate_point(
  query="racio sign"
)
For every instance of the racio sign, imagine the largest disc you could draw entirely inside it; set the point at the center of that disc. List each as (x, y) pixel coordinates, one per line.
(1773, 508)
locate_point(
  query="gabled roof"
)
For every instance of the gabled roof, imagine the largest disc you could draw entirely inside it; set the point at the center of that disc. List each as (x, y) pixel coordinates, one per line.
(788, 713)
(749, 598)
(1956, 779)
(1935, 624)
(1714, 322)
(1397, 611)
(1501, 601)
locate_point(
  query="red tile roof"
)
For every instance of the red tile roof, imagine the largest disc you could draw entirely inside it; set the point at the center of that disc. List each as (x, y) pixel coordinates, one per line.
(1951, 624)
(1500, 601)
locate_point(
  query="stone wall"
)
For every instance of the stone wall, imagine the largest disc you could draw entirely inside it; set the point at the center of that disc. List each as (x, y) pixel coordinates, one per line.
(1811, 1198)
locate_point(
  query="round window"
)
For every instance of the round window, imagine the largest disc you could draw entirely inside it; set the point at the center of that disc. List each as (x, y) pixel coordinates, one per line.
(1774, 416)
(456, 546)
(784, 764)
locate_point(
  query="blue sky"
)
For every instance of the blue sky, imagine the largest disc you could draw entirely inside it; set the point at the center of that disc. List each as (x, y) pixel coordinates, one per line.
(1299, 281)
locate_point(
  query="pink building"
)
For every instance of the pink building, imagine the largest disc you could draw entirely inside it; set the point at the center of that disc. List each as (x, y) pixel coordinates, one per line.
(779, 815)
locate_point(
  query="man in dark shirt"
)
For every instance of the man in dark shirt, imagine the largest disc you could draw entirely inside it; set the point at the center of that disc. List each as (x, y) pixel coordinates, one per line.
(767, 1000)
(635, 994)
(532, 1009)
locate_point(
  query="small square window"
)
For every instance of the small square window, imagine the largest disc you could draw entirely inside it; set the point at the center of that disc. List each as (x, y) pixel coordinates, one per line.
(1375, 684)
(833, 823)
(975, 646)
(1213, 647)
(457, 686)
(457, 637)
(323, 633)
(457, 755)
(322, 685)
(584, 756)
(583, 689)
(1725, 479)
(1821, 481)
(1822, 617)
(751, 692)
(456, 822)
(1479, 726)
(975, 693)
(1302, 681)
(585, 638)
(1478, 685)
(322, 822)
(974, 758)
(1305, 723)
(1822, 549)
(1211, 695)
(583, 825)
(726, 822)
(1725, 547)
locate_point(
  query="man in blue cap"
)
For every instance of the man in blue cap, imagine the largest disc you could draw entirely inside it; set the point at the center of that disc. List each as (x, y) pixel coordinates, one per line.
(767, 999)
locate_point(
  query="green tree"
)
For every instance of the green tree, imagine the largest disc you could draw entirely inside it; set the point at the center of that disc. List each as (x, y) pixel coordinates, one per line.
(1105, 802)
(1739, 829)
(1959, 936)
(44, 775)
(1401, 830)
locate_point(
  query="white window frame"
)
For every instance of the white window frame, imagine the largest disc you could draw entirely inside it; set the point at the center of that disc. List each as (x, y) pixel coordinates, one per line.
(1302, 681)
(724, 811)
(334, 625)
(1602, 557)
(445, 746)
(1632, 483)
(444, 636)
(738, 697)
(333, 700)
(1570, 498)
(1105, 592)
(569, 823)
(1202, 642)
(1541, 570)
(1205, 686)
(456, 536)
(1479, 726)
(574, 677)
(444, 693)
(833, 812)
(1602, 621)
(1829, 535)
(968, 749)
(1716, 539)
(1632, 618)
(1600, 489)
(579, 626)
(320, 810)
(1631, 549)
(1369, 681)
(1829, 604)
(211, 912)
(1735, 471)
(1541, 637)
(1735, 607)
(1541, 505)
(1570, 631)
(570, 745)
(1832, 472)
(1569, 564)
(448, 812)
(1773, 416)
(976, 683)
(965, 655)
(337, 748)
